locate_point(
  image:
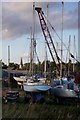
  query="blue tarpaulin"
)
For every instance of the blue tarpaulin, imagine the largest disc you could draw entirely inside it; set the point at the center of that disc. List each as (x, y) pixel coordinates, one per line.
(37, 96)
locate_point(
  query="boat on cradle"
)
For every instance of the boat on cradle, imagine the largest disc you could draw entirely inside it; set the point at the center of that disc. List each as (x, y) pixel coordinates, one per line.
(35, 86)
(63, 95)
(20, 80)
(69, 84)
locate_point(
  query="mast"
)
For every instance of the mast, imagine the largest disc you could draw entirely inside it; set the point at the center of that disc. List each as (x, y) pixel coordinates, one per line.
(69, 55)
(33, 32)
(61, 43)
(8, 55)
(74, 54)
(31, 55)
(8, 63)
(45, 66)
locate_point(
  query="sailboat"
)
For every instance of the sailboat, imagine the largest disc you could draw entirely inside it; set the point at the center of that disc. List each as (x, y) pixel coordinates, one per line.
(33, 84)
(35, 87)
(63, 95)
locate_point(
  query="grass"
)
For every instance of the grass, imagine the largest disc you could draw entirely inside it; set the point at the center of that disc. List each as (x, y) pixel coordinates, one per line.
(37, 110)
(41, 111)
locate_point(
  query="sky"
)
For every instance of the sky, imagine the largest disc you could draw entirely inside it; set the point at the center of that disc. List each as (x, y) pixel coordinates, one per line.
(17, 18)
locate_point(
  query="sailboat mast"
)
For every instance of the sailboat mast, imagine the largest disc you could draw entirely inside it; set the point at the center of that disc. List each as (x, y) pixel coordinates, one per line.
(8, 54)
(31, 56)
(69, 55)
(61, 44)
(33, 32)
(74, 54)
(45, 66)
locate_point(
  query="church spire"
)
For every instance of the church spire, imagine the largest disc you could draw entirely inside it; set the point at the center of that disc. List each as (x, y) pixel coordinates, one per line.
(21, 64)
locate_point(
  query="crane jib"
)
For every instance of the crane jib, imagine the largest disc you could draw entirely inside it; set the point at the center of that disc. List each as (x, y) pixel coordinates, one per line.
(48, 37)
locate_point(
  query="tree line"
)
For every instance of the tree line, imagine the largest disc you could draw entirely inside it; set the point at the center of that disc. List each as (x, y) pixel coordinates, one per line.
(39, 67)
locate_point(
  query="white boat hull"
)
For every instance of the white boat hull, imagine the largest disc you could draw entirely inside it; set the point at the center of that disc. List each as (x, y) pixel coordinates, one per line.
(18, 79)
(36, 87)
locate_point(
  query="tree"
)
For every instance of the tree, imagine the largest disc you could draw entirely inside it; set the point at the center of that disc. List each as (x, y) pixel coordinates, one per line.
(4, 66)
(14, 65)
(0, 64)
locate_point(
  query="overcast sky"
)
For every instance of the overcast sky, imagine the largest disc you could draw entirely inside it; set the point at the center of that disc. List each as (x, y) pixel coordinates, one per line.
(17, 18)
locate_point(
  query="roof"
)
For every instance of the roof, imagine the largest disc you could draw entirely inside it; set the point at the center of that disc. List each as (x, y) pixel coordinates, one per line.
(15, 71)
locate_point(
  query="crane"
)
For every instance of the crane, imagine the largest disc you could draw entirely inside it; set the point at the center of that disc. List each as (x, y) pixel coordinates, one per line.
(48, 37)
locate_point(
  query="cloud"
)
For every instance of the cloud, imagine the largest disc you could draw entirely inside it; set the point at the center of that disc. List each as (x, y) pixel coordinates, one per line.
(70, 18)
(17, 18)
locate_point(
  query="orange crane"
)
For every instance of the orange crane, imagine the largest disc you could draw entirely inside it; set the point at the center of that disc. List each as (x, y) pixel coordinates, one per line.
(48, 37)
